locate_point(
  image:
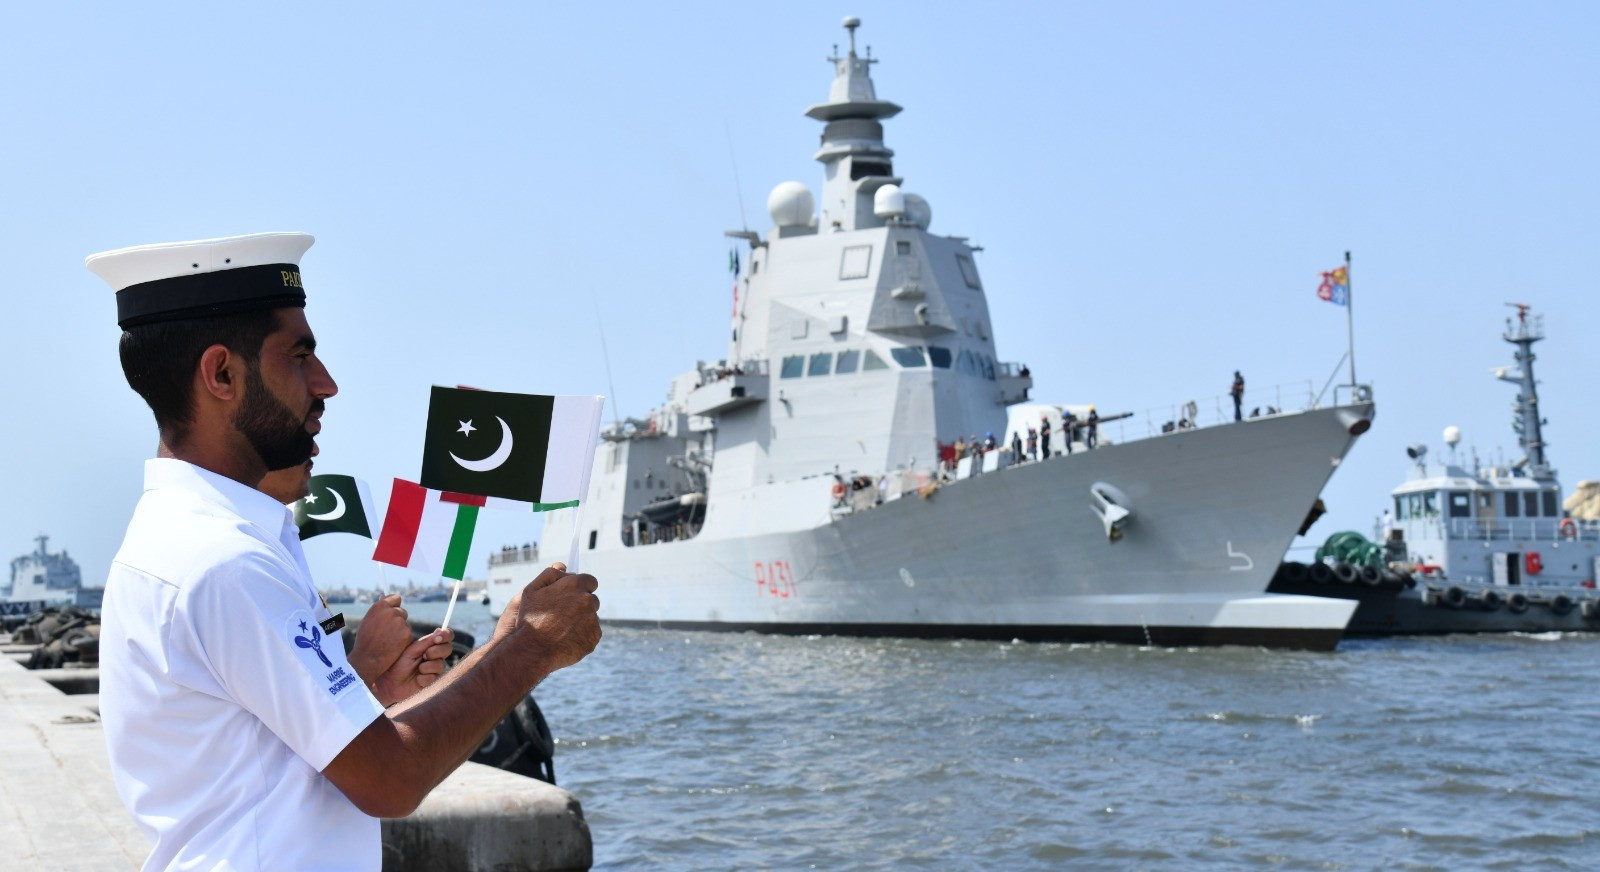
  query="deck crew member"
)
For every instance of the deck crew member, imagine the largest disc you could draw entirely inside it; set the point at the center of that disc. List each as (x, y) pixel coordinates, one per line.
(1044, 437)
(1237, 391)
(239, 737)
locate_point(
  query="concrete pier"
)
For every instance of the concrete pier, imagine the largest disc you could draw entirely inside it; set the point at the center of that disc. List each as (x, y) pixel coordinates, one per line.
(59, 808)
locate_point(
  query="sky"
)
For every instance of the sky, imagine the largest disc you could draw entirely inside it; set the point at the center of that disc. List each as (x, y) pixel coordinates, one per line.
(501, 191)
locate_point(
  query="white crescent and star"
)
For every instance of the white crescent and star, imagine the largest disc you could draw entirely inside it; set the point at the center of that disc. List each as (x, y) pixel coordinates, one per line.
(335, 514)
(493, 461)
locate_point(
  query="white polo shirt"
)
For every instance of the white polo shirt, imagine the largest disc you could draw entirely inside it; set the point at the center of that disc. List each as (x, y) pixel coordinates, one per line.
(222, 698)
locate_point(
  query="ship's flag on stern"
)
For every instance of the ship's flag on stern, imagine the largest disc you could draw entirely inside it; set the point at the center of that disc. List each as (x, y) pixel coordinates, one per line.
(528, 452)
(426, 531)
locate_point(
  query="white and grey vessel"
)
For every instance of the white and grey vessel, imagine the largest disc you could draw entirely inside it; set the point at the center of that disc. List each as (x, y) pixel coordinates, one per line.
(795, 486)
(1472, 549)
(42, 579)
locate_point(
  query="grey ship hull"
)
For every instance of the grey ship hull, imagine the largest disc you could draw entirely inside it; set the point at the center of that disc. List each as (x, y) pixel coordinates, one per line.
(1017, 553)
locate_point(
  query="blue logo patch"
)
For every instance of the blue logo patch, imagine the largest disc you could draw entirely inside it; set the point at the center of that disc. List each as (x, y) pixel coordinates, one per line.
(324, 667)
(314, 643)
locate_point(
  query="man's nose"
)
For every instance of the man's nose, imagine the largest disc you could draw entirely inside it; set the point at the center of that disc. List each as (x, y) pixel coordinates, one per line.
(322, 384)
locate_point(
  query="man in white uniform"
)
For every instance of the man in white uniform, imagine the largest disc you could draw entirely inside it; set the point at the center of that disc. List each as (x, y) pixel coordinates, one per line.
(240, 737)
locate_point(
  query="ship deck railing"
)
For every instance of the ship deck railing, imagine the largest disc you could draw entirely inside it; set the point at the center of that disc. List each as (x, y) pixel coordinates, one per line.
(1509, 529)
(1282, 399)
(514, 554)
(720, 370)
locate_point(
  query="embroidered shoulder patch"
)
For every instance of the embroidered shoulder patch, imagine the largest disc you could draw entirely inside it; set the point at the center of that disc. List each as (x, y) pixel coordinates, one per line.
(305, 634)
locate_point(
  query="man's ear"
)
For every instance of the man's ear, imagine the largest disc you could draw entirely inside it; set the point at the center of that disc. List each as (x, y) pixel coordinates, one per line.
(220, 374)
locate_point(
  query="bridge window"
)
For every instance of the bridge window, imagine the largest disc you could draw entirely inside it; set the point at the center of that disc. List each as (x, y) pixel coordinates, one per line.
(939, 357)
(848, 361)
(820, 363)
(1530, 504)
(1513, 506)
(793, 366)
(1399, 509)
(1550, 509)
(1460, 504)
(988, 367)
(909, 357)
(873, 361)
(1430, 504)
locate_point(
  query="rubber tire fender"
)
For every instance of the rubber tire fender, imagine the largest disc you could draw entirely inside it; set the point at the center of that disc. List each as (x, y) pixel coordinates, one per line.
(1345, 572)
(1517, 602)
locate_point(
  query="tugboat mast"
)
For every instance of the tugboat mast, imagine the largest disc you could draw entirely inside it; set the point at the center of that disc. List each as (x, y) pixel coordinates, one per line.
(1530, 434)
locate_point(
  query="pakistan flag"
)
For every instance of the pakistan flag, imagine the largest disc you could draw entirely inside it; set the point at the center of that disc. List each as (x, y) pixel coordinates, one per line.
(531, 449)
(336, 504)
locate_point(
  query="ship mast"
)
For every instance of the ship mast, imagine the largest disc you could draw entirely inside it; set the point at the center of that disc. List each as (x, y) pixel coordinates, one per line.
(1522, 333)
(856, 162)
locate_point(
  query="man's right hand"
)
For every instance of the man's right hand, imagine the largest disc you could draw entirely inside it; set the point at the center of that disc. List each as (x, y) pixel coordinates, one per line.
(559, 610)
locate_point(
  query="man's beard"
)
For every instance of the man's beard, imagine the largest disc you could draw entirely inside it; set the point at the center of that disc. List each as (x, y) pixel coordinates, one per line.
(272, 430)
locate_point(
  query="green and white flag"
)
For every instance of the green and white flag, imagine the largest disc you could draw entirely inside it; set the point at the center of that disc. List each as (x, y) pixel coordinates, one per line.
(336, 504)
(532, 450)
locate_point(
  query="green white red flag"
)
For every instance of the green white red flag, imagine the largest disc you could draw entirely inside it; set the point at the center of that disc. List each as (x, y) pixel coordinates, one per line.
(426, 531)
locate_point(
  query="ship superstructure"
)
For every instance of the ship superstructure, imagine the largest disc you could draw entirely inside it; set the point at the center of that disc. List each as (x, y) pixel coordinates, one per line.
(805, 483)
(41, 578)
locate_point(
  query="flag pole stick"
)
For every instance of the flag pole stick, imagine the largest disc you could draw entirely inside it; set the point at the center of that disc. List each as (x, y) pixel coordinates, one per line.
(1350, 316)
(450, 609)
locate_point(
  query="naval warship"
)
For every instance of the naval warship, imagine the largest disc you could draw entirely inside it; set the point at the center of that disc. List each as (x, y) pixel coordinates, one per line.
(796, 486)
(1485, 549)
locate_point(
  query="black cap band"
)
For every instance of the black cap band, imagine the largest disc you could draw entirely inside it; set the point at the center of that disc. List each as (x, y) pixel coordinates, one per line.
(200, 295)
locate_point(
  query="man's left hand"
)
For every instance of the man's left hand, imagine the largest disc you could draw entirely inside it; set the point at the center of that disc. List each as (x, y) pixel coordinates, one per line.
(418, 666)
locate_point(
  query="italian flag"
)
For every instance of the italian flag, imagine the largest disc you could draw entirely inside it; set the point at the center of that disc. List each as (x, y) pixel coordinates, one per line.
(427, 530)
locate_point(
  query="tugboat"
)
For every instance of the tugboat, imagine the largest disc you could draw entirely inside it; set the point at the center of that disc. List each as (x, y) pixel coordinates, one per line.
(1479, 550)
(797, 486)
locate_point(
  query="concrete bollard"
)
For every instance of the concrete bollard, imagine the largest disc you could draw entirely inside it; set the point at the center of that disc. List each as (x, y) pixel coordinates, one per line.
(483, 819)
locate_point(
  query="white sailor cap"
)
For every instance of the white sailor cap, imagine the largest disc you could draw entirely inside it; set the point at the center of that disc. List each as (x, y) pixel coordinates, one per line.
(170, 281)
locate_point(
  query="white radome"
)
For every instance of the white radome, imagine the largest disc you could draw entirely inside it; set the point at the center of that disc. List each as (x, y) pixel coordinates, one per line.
(1452, 435)
(918, 210)
(790, 204)
(888, 202)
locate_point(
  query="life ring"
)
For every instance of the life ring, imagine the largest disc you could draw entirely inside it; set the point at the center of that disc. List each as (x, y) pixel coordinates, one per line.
(838, 490)
(1568, 528)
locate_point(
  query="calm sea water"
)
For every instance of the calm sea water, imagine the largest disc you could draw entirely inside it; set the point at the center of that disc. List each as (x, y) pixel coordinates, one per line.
(712, 751)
